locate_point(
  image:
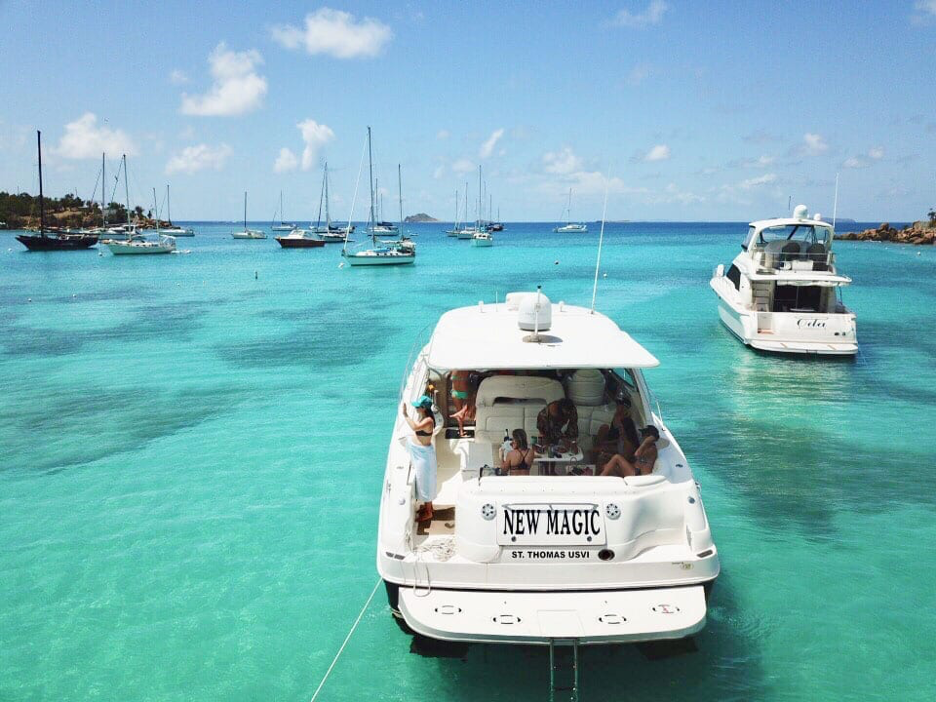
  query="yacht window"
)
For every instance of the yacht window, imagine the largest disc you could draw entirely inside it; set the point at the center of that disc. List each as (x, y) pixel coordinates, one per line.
(797, 298)
(748, 238)
(626, 377)
(802, 233)
(734, 275)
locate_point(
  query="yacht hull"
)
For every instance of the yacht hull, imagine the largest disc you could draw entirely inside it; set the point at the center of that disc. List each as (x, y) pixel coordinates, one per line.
(123, 250)
(482, 243)
(538, 618)
(788, 332)
(299, 243)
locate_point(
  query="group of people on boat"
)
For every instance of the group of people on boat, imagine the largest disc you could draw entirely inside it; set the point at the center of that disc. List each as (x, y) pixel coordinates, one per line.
(619, 449)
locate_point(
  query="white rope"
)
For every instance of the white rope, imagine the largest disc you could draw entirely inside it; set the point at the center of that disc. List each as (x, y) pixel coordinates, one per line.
(347, 638)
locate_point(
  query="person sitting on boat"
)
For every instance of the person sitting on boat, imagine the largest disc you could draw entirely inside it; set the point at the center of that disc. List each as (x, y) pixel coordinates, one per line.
(423, 455)
(557, 425)
(519, 459)
(641, 463)
(464, 388)
(619, 437)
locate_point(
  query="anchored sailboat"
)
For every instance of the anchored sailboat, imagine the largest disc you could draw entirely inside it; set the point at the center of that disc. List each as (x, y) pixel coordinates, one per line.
(281, 226)
(248, 233)
(381, 253)
(52, 240)
(571, 227)
(173, 230)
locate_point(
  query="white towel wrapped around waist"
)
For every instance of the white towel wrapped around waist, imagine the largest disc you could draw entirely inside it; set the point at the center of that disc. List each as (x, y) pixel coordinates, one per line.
(424, 465)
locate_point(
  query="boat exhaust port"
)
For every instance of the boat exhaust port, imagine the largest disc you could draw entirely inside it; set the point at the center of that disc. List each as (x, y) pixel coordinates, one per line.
(606, 554)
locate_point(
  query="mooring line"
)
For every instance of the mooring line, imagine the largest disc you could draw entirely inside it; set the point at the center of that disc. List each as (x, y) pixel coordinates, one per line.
(347, 638)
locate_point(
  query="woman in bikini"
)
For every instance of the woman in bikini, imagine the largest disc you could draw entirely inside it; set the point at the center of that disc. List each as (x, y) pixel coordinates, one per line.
(618, 437)
(423, 455)
(519, 459)
(643, 459)
(463, 390)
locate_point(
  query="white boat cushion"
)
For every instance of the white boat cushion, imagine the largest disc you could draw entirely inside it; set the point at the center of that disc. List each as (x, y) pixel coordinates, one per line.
(508, 402)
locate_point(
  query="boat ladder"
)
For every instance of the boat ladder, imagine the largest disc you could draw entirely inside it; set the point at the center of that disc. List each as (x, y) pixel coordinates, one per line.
(555, 667)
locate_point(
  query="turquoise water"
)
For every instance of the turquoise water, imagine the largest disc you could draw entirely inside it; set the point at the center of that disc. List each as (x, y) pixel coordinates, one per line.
(192, 448)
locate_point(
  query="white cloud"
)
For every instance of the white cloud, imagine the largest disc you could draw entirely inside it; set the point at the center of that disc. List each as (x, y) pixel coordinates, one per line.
(237, 87)
(83, 138)
(443, 134)
(463, 165)
(928, 6)
(335, 33)
(660, 152)
(487, 147)
(561, 162)
(877, 152)
(178, 77)
(652, 15)
(855, 162)
(638, 74)
(199, 158)
(438, 172)
(315, 136)
(751, 183)
(815, 144)
(286, 161)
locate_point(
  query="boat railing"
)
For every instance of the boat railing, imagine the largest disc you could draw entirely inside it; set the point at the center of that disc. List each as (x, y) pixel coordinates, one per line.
(421, 339)
(769, 260)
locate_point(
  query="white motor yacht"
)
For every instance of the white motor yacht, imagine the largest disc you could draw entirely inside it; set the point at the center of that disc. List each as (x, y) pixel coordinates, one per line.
(782, 293)
(559, 556)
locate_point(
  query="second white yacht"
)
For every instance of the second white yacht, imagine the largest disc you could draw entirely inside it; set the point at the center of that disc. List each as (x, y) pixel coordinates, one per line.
(782, 293)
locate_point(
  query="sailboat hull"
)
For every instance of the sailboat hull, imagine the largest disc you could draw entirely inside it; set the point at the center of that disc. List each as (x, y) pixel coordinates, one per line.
(36, 242)
(369, 259)
(299, 242)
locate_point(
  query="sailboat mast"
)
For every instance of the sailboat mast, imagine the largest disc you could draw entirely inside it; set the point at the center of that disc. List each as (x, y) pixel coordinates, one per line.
(155, 210)
(41, 197)
(327, 215)
(370, 177)
(282, 213)
(103, 188)
(168, 206)
(245, 210)
(570, 205)
(478, 225)
(400, 186)
(318, 221)
(126, 187)
(456, 209)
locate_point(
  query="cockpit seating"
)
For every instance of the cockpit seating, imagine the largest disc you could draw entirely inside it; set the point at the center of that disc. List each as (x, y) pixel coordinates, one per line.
(508, 402)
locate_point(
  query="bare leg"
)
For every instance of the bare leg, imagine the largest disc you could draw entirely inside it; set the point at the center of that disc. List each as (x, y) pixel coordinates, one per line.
(619, 466)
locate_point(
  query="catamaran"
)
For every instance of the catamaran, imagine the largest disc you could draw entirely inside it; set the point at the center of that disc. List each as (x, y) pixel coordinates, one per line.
(382, 253)
(248, 233)
(570, 226)
(560, 556)
(782, 293)
(280, 226)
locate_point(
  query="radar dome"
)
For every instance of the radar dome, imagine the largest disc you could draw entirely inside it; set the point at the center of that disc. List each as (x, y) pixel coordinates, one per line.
(534, 312)
(801, 212)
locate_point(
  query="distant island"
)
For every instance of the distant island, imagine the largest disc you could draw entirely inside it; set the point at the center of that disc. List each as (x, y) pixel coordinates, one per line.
(420, 217)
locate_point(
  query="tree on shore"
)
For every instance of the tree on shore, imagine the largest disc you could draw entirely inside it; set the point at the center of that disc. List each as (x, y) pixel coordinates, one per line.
(932, 215)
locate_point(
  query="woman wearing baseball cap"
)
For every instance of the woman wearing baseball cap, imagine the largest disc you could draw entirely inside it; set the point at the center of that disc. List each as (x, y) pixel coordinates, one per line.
(423, 454)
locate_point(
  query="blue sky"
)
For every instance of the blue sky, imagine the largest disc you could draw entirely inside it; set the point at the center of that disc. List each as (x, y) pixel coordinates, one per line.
(685, 111)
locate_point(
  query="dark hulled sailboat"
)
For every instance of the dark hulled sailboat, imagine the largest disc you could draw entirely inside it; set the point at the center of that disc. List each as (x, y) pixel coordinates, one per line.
(52, 240)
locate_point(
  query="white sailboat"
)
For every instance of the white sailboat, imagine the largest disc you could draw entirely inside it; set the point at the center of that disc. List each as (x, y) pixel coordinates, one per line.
(281, 226)
(329, 233)
(453, 232)
(571, 227)
(248, 233)
(381, 253)
(481, 236)
(173, 230)
(137, 244)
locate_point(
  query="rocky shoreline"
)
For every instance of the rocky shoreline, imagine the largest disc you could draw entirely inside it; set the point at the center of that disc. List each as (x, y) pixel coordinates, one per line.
(918, 233)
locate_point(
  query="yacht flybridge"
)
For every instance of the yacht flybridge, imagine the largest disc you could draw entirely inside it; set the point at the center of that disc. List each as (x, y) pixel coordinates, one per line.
(782, 293)
(561, 556)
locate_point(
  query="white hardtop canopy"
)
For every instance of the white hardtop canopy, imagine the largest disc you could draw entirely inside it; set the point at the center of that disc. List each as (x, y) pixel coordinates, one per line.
(822, 279)
(487, 337)
(789, 222)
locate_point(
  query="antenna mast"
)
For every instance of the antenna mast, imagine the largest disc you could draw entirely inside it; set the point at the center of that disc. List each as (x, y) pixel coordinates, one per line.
(835, 202)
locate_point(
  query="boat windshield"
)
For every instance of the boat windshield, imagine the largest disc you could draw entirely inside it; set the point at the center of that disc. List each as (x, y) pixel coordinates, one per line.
(808, 234)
